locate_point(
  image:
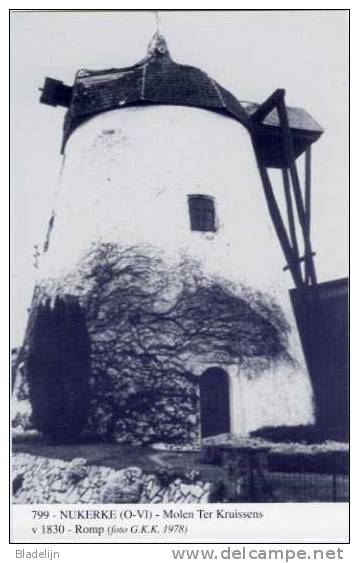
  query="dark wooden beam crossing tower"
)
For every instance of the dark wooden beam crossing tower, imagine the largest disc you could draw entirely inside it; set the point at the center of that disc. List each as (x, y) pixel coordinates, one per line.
(293, 231)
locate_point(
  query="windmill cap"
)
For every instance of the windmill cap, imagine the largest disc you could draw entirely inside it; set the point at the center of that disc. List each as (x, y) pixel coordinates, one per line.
(157, 79)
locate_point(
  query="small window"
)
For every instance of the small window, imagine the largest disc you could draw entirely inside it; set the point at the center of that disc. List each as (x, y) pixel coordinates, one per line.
(202, 213)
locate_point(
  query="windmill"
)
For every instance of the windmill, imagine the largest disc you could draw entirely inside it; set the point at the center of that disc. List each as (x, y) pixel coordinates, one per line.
(113, 107)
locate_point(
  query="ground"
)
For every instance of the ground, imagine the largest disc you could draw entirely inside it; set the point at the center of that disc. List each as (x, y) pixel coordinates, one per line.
(286, 487)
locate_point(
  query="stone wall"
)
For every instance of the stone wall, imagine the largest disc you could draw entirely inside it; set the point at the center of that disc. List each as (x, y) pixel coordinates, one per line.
(39, 480)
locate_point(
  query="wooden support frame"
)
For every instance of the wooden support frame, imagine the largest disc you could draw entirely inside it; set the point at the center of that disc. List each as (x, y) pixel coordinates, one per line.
(291, 164)
(261, 113)
(290, 212)
(274, 211)
(307, 198)
(291, 184)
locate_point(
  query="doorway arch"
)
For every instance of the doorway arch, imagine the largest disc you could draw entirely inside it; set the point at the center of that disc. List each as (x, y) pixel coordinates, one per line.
(214, 402)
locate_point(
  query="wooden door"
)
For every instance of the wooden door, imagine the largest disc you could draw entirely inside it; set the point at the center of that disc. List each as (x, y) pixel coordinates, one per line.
(214, 402)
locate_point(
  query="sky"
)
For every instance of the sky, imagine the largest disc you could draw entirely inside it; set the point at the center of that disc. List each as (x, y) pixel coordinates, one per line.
(249, 53)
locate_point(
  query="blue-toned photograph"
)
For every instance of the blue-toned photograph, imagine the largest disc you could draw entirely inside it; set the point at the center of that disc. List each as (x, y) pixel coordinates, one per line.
(179, 243)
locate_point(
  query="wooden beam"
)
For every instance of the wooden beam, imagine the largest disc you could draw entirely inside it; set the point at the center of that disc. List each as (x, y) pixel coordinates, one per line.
(267, 106)
(279, 226)
(55, 93)
(290, 213)
(290, 161)
(307, 199)
(300, 259)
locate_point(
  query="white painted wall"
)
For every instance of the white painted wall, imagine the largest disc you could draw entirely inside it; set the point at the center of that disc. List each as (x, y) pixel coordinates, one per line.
(126, 178)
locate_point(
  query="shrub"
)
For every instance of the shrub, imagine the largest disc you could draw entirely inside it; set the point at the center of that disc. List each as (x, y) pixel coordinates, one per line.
(308, 434)
(58, 369)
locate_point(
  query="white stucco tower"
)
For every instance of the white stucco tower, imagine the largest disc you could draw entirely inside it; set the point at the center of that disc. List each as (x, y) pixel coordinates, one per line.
(159, 155)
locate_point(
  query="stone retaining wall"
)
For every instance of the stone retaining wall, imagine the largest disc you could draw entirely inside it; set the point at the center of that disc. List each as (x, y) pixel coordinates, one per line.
(39, 480)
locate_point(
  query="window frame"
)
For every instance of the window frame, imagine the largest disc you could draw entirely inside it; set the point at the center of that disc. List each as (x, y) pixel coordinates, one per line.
(195, 221)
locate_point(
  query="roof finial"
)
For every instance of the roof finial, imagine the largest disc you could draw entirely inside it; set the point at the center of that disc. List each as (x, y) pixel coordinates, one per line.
(158, 45)
(158, 21)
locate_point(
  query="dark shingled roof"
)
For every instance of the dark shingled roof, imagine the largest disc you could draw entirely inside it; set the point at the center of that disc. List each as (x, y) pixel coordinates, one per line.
(298, 118)
(157, 79)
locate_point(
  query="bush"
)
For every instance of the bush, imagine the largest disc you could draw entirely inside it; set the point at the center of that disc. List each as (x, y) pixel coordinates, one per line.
(308, 434)
(58, 368)
(321, 462)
